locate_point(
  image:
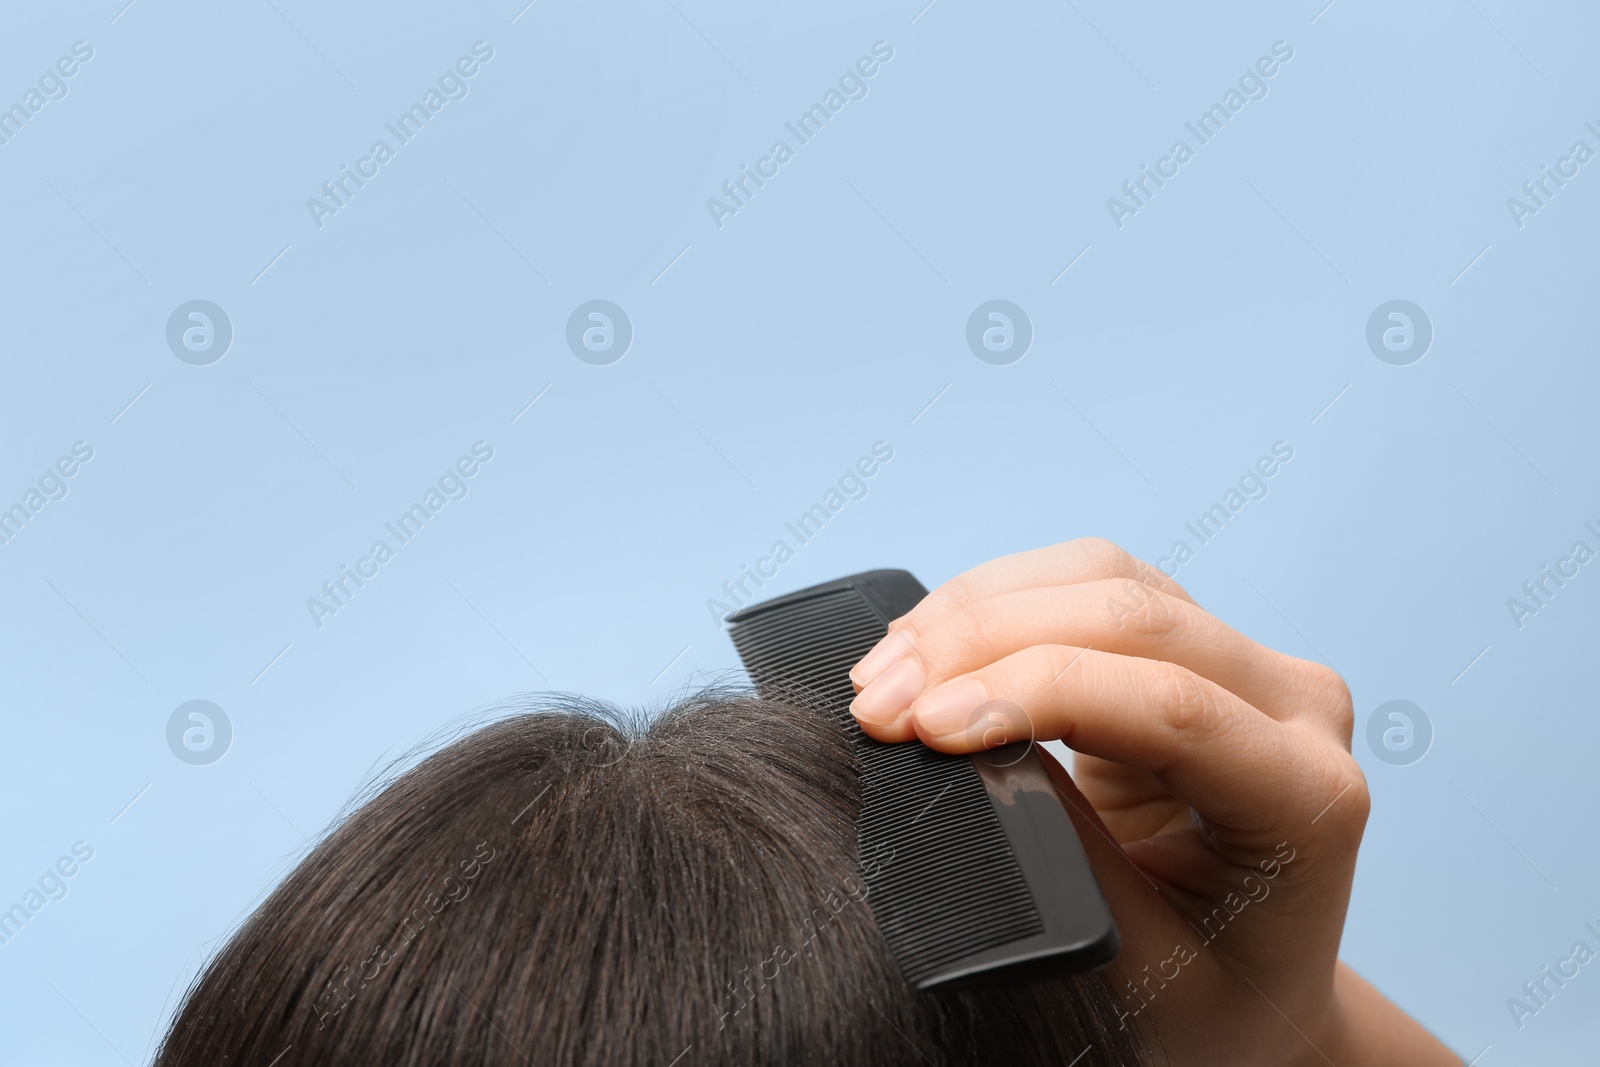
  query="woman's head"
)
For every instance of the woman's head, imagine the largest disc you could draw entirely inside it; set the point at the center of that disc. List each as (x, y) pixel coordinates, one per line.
(572, 885)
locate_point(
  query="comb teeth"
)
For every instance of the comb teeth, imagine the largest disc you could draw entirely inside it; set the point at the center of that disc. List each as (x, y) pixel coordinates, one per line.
(946, 885)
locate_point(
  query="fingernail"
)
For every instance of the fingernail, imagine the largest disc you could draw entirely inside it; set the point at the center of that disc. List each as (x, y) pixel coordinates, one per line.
(891, 693)
(886, 651)
(949, 711)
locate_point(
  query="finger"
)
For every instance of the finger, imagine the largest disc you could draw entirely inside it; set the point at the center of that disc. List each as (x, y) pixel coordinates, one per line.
(1133, 804)
(1110, 615)
(1148, 884)
(1245, 773)
(1067, 563)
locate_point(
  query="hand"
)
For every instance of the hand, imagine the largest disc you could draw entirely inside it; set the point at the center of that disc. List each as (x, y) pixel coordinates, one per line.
(1214, 792)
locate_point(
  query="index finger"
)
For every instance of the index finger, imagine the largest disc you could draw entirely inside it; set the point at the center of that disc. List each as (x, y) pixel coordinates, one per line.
(1086, 559)
(1245, 772)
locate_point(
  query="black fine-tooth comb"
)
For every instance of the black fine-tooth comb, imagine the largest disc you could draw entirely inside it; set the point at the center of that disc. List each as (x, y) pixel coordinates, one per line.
(976, 874)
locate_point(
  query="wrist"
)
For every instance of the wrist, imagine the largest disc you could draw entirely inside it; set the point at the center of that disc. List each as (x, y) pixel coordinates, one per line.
(1363, 1026)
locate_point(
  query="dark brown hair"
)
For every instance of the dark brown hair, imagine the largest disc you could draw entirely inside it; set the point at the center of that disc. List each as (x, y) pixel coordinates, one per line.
(573, 885)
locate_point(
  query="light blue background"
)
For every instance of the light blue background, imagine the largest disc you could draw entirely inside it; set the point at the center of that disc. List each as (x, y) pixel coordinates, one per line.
(826, 315)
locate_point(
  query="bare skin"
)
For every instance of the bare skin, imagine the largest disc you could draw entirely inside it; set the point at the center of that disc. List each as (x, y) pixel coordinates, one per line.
(1212, 786)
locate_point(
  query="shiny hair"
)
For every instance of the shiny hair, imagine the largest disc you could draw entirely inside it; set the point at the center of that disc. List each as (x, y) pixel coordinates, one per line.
(578, 885)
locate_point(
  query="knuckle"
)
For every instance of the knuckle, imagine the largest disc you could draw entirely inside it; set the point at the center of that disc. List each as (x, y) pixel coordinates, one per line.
(1349, 784)
(905, 625)
(973, 631)
(900, 627)
(1057, 660)
(906, 630)
(1360, 793)
(956, 641)
(1188, 708)
(1149, 616)
(1106, 557)
(1330, 694)
(958, 593)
